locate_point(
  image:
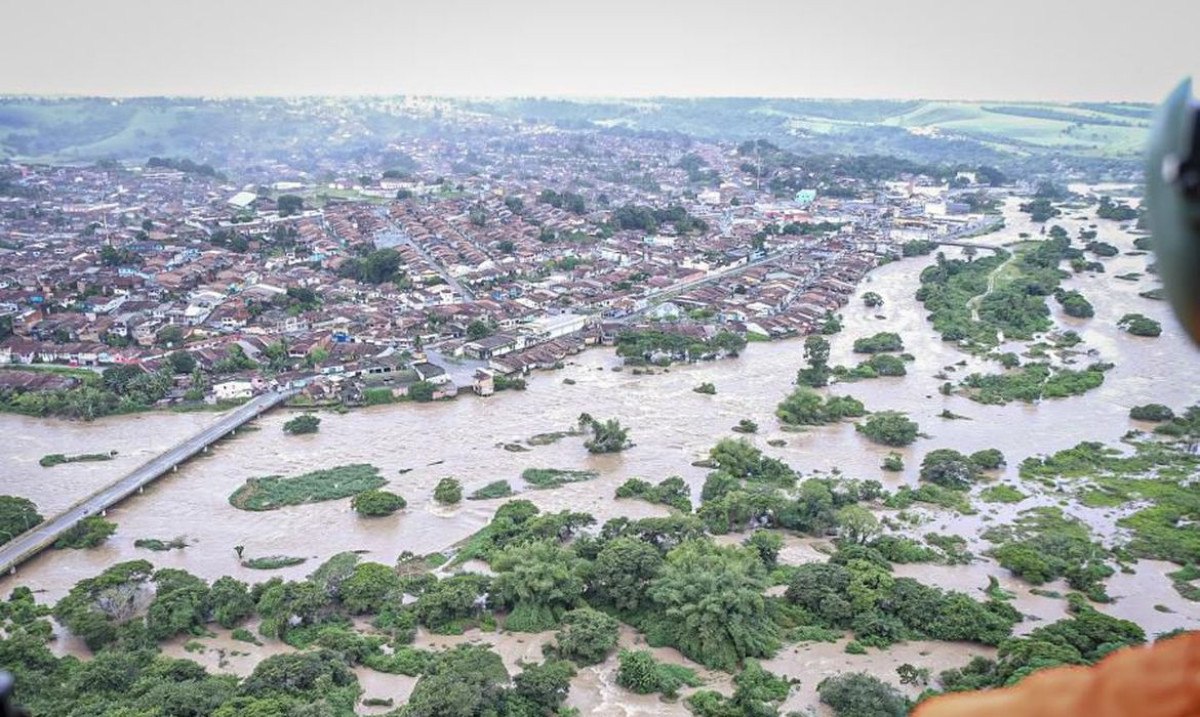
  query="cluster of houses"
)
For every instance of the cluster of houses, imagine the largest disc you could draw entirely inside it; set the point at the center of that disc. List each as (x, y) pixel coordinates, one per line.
(113, 264)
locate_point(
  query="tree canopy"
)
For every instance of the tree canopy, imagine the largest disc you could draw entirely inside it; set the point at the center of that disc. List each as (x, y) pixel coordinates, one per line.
(711, 607)
(891, 428)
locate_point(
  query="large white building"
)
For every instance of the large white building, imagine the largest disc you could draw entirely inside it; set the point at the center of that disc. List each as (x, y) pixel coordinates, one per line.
(548, 328)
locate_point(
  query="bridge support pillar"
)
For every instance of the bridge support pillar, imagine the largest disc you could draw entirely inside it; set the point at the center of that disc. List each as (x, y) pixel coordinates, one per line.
(175, 469)
(12, 570)
(141, 489)
(205, 449)
(104, 513)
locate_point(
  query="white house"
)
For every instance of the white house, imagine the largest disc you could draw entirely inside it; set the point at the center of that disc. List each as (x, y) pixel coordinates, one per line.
(233, 389)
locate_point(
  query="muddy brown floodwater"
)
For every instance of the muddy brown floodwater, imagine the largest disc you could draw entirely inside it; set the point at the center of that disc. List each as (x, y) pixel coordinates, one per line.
(671, 425)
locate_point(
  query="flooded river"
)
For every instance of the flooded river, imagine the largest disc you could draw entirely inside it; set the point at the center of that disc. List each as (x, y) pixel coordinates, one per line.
(671, 425)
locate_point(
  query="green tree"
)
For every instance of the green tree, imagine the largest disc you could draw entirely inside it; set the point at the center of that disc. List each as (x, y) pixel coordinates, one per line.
(823, 589)
(988, 459)
(375, 503)
(304, 423)
(756, 694)
(880, 342)
(804, 407)
(639, 672)
(95, 607)
(376, 267)
(832, 324)
(447, 603)
(767, 544)
(180, 604)
(539, 582)
(448, 491)
(545, 685)
(235, 359)
(181, 362)
(16, 516)
(87, 533)
(857, 694)
(949, 468)
(170, 336)
(622, 572)
(478, 216)
(607, 436)
(814, 508)
(741, 460)
(229, 602)
(478, 329)
(872, 299)
(1140, 325)
(1155, 412)
(284, 606)
(890, 428)
(289, 204)
(717, 485)
(466, 681)
(422, 391)
(587, 636)
(368, 587)
(858, 525)
(1074, 304)
(307, 675)
(711, 605)
(816, 353)
(909, 674)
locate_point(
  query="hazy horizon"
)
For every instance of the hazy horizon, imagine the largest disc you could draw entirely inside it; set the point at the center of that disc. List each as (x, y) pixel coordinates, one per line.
(565, 97)
(861, 49)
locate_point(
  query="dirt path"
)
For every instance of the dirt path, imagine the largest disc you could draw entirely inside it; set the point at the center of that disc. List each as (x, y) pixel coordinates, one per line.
(975, 301)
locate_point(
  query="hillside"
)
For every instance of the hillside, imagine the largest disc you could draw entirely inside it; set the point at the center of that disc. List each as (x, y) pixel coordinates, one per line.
(235, 132)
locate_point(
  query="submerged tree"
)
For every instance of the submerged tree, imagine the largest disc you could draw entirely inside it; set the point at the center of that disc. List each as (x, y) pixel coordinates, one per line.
(587, 636)
(304, 423)
(539, 582)
(890, 428)
(816, 352)
(607, 436)
(711, 605)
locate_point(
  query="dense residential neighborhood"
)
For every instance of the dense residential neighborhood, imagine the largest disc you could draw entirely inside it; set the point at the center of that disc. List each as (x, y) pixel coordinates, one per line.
(476, 260)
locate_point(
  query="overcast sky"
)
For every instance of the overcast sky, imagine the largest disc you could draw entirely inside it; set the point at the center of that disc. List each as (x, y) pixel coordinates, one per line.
(966, 49)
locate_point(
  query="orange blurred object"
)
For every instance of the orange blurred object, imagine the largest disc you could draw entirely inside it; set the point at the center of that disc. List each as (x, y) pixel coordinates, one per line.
(1160, 680)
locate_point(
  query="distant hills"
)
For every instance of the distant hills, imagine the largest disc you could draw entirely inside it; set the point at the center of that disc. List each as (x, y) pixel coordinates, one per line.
(238, 131)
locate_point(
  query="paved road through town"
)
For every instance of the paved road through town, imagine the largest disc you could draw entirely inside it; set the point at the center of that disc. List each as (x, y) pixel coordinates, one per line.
(33, 541)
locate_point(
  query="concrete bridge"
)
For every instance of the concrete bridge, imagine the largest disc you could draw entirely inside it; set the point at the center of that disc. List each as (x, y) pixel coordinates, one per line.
(960, 237)
(33, 541)
(967, 244)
